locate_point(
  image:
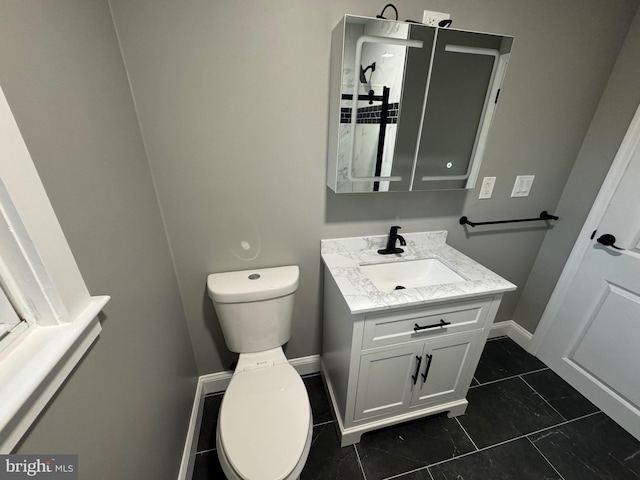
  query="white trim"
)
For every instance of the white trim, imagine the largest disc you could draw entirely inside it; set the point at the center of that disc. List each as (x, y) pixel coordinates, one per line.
(42, 281)
(29, 198)
(512, 330)
(10, 342)
(218, 382)
(500, 329)
(190, 444)
(9, 318)
(23, 275)
(607, 190)
(32, 374)
(215, 383)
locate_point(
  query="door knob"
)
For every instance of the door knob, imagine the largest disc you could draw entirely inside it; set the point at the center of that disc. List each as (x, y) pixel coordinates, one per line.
(608, 240)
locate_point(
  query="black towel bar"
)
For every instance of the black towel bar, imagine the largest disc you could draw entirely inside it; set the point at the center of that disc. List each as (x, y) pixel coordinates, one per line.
(544, 215)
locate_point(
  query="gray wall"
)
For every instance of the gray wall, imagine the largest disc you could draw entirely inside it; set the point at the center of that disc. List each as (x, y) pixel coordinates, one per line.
(232, 101)
(610, 122)
(126, 407)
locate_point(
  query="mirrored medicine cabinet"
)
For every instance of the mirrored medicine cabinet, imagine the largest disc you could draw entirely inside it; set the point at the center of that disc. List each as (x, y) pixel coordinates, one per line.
(410, 105)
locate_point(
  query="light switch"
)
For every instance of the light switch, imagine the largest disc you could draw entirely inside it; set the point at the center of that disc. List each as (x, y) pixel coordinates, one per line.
(522, 186)
(487, 187)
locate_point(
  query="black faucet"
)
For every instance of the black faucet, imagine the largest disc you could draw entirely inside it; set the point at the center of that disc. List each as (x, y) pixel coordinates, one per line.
(391, 242)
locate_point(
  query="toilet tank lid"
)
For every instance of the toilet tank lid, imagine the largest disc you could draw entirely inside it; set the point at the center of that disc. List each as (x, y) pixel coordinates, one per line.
(253, 285)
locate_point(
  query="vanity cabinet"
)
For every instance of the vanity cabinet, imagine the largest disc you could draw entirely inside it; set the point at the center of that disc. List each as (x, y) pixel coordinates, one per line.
(415, 375)
(387, 367)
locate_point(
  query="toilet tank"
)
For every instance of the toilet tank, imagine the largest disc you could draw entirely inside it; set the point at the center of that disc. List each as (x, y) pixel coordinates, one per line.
(254, 307)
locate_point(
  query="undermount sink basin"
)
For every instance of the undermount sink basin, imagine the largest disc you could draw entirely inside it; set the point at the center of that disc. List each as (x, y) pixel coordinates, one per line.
(409, 274)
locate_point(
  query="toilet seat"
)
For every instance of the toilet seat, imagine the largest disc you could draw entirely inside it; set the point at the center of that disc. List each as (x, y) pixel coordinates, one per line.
(265, 422)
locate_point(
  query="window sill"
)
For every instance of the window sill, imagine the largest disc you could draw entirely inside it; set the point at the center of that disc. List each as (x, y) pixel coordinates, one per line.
(34, 370)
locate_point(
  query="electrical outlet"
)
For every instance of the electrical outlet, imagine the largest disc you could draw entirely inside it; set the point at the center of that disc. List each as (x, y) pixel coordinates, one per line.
(434, 18)
(486, 190)
(522, 185)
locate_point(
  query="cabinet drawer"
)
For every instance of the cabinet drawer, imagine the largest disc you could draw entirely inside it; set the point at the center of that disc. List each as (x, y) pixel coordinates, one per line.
(392, 328)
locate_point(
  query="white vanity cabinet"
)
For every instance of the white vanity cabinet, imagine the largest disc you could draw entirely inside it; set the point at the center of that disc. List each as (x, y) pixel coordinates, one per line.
(383, 368)
(393, 355)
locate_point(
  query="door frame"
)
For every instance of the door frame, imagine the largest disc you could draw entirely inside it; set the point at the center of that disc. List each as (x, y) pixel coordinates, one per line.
(630, 143)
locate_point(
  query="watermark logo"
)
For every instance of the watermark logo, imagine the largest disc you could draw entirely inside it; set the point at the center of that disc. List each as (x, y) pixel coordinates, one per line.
(42, 467)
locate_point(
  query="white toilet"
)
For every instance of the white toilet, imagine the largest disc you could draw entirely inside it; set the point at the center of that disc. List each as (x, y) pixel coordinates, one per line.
(264, 424)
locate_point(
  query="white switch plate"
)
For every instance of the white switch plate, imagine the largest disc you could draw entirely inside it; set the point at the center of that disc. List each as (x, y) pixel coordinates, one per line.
(433, 18)
(486, 190)
(522, 185)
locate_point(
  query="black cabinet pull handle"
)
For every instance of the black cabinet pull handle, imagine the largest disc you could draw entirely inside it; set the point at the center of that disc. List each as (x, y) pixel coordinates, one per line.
(608, 240)
(442, 323)
(415, 377)
(426, 370)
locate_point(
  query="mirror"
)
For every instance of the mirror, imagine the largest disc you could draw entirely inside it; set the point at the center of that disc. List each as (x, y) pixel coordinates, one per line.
(423, 99)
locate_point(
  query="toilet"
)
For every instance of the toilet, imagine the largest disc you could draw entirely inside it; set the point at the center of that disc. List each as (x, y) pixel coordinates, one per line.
(265, 423)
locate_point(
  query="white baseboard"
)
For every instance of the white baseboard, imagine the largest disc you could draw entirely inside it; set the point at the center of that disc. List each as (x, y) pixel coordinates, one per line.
(190, 445)
(500, 329)
(512, 330)
(218, 382)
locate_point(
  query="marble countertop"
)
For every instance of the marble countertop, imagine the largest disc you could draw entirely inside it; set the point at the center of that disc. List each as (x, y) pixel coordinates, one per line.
(343, 257)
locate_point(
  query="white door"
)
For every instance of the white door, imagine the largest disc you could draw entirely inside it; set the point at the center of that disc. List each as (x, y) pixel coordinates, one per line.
(590, 331)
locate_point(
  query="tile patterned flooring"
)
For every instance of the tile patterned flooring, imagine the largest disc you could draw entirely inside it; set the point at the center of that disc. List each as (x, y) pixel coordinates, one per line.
(523, 422)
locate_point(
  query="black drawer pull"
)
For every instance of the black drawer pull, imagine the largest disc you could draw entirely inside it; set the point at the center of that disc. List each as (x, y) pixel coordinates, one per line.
(415, 377)
(442, 323)
(426, 370)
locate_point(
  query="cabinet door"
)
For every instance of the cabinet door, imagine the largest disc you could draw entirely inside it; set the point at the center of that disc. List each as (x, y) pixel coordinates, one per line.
(445, 371)
(386, 380)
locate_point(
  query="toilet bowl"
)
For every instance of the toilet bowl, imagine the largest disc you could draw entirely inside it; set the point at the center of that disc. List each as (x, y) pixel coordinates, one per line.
(265, 423)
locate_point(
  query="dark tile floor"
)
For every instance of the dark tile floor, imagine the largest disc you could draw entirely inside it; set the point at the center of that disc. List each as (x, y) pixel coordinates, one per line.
(523, 422)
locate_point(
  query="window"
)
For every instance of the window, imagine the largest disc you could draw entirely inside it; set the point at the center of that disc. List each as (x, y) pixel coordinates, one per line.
(23, 279)
(48, 319)
(9, 320)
